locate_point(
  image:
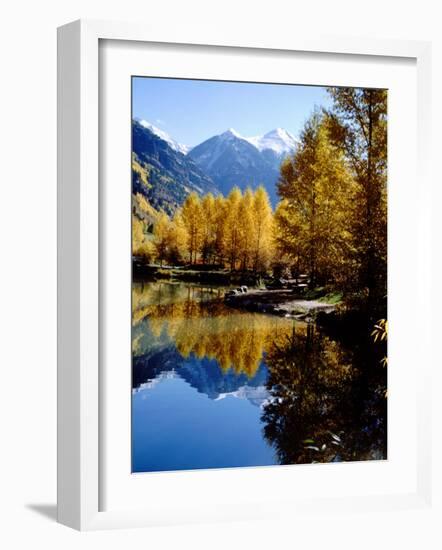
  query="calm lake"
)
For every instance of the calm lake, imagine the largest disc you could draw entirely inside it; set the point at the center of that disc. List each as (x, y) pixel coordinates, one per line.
(214, 387)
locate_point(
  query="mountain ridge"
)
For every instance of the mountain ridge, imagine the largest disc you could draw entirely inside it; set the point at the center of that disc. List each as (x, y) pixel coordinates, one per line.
(279, 140)
(184, 149)
(233, 160)
(217, 164)
(162, 174)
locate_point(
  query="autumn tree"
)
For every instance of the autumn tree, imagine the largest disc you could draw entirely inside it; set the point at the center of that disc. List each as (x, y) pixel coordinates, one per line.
(161, 234)
(358, 125)
(208, 227)
(288, 231)
(141, 245)
(232, 233)
(246, 228)
(220, 228)
(192, 219)
(313, 220)
(178, 238)
(236, 231)
(262, 234)
(143, 217)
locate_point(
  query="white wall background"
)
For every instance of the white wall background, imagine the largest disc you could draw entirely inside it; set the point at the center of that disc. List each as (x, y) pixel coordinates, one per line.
(28, 269)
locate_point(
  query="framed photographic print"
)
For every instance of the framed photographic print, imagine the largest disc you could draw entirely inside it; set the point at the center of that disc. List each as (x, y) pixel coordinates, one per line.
(259, 310)
(235, 258)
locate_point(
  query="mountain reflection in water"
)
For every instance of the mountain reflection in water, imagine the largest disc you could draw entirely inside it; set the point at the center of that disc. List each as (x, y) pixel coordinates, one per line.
(215, 387)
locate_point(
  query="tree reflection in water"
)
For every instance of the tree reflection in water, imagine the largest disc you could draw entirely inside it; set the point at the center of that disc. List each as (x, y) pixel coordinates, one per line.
(326, 401)
(198, 322)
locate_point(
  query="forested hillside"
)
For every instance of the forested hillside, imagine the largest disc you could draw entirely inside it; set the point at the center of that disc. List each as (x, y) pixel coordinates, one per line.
(170, 174)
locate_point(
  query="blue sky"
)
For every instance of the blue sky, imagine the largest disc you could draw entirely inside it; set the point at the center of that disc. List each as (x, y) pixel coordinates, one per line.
(194, 110)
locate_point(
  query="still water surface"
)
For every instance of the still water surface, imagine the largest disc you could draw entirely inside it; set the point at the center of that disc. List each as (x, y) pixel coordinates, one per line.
(215, 387)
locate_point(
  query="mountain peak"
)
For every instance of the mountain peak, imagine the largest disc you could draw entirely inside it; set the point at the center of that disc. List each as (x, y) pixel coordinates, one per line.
(232, 132)
(280, 132)
(278, 140)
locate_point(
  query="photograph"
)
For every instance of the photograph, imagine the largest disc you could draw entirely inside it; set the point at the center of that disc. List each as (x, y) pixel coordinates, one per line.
(259, 274)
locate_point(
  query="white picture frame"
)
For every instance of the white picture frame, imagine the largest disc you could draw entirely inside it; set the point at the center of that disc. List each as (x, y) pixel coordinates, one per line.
(79, 264)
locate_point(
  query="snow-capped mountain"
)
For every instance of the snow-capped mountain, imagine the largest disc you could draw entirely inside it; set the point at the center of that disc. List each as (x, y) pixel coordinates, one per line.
(171, 176)
(231, 159)
(228, 159)
(279, 140)
(210, 151)
(184, 149)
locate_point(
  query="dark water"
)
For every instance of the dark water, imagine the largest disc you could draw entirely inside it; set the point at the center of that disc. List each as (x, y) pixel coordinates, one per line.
(214, 387)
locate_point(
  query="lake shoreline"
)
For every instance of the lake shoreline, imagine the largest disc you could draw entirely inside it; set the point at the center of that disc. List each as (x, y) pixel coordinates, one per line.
(284, 303)
(202, 274)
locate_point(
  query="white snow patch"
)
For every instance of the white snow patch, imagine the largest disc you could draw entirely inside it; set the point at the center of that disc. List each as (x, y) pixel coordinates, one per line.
(279, 140)
(257, 395)
(165, 137)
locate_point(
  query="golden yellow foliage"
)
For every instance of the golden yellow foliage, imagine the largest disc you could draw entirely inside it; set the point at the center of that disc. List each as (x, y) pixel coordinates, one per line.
(208, 328)
(262, 230)
(236, 230)
(313, 222)
(139, 170)
(141, 245)
(192, 217)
